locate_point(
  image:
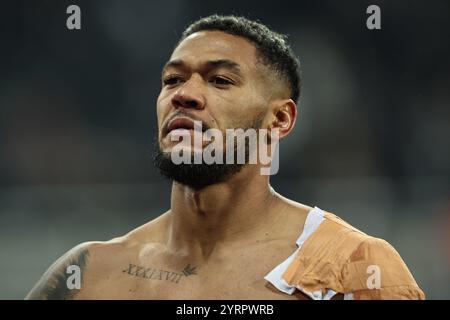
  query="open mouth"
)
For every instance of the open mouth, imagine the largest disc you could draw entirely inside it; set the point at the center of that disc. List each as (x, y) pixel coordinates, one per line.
(184, 125)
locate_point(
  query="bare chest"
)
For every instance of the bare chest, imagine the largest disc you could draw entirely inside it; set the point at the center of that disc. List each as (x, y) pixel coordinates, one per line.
(239, 276)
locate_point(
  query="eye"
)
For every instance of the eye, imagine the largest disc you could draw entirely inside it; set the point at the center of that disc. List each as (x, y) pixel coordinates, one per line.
(221, 81)
(172, 80)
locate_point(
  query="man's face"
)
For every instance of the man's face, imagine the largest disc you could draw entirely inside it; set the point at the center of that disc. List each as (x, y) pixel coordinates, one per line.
(212, 77)
(215, 78)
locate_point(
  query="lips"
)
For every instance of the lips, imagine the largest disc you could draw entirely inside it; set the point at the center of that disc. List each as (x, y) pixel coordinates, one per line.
(182, 123)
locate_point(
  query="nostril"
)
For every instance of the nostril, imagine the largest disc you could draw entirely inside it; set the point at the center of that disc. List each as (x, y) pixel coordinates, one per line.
(176, 103)
(191, 103)
(184, 101)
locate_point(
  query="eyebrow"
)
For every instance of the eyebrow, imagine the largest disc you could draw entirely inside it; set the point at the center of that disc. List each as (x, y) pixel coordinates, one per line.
(211, 64)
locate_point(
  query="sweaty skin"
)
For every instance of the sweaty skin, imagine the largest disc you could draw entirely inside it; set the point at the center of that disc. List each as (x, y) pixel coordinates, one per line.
(215, 243)
(145, 264)
(219, 242)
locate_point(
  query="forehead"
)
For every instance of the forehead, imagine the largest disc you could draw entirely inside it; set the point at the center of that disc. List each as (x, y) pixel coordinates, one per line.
(215, 45)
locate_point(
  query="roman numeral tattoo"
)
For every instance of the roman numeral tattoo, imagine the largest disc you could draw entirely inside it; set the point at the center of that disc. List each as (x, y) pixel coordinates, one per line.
(159, 274)
(188, 270)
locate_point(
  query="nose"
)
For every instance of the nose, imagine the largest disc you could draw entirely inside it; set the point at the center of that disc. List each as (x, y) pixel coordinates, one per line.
(189, 95)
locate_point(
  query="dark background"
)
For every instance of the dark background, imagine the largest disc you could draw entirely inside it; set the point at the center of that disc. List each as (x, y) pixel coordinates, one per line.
(77, 123)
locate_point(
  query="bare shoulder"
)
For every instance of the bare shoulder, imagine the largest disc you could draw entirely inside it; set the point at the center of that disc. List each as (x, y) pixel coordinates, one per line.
(129, 246)
(91, 259)
(53, 283)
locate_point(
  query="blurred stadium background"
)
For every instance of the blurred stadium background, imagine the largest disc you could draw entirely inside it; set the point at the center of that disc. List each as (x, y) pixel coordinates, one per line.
(77, 123)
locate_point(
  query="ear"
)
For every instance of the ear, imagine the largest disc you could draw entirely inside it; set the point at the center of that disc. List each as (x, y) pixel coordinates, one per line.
(284, 113)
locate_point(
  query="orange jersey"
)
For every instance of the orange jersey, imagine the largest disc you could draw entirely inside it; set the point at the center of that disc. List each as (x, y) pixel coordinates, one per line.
(334, 257)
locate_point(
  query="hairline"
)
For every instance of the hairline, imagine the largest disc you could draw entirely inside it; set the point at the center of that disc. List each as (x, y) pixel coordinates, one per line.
(260, 60)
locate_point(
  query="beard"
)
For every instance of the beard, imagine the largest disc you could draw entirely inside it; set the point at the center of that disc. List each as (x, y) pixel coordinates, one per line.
(199, 176)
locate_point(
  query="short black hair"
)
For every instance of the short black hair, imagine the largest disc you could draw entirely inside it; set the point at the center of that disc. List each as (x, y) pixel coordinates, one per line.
(272, 47)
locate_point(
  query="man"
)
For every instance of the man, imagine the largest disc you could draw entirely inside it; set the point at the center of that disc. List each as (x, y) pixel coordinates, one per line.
(228, 234)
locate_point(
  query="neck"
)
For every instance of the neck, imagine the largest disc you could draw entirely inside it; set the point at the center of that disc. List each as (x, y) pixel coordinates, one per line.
(207, 220)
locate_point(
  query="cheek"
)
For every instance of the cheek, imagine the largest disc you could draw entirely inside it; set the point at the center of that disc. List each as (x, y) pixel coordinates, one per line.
(242, 112)
(162, 107)
(228, 108)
